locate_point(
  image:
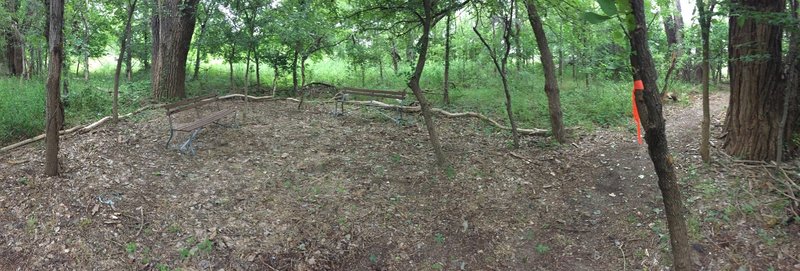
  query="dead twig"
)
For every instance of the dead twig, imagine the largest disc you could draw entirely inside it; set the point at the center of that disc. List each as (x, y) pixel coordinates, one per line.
(141, 221)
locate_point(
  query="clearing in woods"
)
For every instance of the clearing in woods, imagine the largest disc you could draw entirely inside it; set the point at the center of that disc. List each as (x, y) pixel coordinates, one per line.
(300, 190)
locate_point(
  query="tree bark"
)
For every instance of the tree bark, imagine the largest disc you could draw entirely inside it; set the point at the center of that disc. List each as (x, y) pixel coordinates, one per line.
(128, 61)
(649, 104)
(413, 82)
(561, 52)
(551, 81)
(246, 82)
(14, 49)
(122, 49)
(86, 37)
(274, 79)
(231, 58)
(303, 71)
(395, 57)
(789, 114)
(380, 70)
(757, 90)
(53, 82)
(705, 28)
(199, 48)
(258, 68)
(176, 21)
(294, 70)
(446, 87)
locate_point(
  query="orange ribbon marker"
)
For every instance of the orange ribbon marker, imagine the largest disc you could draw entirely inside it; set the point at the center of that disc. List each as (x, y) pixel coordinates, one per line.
(637, 85)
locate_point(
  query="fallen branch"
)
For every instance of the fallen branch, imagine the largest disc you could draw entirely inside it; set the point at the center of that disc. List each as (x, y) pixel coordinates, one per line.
(248, 97)
(37, 138)
(417, 109)
(79, 129)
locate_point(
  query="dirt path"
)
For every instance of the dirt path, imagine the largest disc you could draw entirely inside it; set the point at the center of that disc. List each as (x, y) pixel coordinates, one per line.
(301, 190)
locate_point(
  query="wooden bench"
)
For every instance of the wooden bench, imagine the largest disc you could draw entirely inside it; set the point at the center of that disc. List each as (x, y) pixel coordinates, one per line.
(344, 94)
(199, 120)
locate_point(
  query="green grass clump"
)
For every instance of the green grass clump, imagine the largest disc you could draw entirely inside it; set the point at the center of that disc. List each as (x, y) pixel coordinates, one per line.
(21, 108)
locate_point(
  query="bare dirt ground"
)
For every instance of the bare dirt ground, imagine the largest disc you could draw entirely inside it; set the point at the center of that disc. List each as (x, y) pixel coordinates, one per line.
(301, 190)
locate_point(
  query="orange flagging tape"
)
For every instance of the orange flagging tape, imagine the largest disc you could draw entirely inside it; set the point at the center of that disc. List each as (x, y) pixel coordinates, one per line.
(637, 85)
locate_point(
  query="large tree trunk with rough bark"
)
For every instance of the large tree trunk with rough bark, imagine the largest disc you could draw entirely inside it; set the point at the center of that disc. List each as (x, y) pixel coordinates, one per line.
(757, 86)
(551, 81)
(175, 27)
(14, 52)
(54, 110)
(413, 83)
(648, 102)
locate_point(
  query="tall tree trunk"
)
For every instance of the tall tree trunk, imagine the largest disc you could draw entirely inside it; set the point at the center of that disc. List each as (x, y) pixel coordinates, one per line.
(413, 82)
(128, 62)
(649, 104)
(246, 81)
(395, 57)
(757, 92)
(247, 68)
(53, 81)
(303, 71)
(86, 37)
(231, 58)
(561, 51)
(294, 71)
(363, 75)
(551, 82)
(501, 64)
(155, 45)
(122, 49)
(789, 114)
(14, 52)
(520, 57)
(705, 28)
(175, 29)
(258, 68)
(274, 79)
(380, 69)
(446, 87)
(199, 48)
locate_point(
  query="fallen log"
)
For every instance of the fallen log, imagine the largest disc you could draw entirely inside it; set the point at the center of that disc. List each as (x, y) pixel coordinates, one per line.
(417, 109)
(77, 129)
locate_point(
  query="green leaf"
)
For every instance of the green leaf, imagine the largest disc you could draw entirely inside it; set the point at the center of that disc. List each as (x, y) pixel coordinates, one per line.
(595, 18)
(609, 7)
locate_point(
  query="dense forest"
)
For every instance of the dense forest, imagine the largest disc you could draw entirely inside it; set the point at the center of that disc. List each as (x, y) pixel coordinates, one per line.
(507, 134)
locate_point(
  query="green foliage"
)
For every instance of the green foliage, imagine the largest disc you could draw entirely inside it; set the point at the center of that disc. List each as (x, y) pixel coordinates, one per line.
(542, 248)
(21, 109)
(439, 238)
(130, 247)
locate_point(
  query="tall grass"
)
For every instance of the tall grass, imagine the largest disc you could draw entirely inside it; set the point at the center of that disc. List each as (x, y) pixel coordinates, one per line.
(21, 108)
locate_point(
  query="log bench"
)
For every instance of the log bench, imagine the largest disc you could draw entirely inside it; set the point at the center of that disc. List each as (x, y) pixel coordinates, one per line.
(198, 121)
(345, 93)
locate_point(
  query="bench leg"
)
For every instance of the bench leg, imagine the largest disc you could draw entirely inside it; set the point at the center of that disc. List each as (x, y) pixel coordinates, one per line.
(188, 144)
(336, 106)
(171, 133)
